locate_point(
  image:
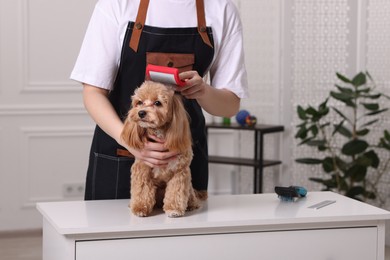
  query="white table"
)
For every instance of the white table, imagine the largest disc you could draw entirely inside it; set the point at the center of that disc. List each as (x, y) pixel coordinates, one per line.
(227, 227)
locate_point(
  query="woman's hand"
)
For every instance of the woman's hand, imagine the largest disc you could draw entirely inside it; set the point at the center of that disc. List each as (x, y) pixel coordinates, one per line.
(154, 154)
(195, 86)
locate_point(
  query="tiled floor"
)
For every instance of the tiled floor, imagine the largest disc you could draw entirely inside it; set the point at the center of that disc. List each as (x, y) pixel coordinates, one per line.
(23, 246)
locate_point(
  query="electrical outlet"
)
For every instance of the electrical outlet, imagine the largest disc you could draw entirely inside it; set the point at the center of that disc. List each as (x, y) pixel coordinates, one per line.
(73, 190)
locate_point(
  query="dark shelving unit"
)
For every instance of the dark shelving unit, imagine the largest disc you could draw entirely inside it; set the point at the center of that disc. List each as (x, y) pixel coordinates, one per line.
(258, 162)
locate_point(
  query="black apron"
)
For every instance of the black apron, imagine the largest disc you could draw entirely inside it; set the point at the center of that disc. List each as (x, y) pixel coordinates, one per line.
(108, 175)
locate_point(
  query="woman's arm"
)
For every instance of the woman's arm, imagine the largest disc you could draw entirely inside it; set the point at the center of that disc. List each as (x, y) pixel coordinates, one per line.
(217, 102)
(102, 112)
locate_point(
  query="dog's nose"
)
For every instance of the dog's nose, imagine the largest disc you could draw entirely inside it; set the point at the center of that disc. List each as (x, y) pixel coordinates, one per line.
(142, 113)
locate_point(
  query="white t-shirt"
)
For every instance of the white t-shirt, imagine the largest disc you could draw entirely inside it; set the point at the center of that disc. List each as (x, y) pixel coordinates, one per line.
(99, 57)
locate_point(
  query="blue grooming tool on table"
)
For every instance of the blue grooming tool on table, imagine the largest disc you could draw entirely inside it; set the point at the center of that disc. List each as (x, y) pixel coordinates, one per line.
(290, 193)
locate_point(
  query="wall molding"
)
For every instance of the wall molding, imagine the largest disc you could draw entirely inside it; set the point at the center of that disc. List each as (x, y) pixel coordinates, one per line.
(41, 110)
(31, 86)
(27, 135)
(2, 168)
(1, 48)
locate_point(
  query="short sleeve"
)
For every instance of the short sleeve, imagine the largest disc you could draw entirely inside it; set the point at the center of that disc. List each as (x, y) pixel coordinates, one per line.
(228, 69)
(98, 60)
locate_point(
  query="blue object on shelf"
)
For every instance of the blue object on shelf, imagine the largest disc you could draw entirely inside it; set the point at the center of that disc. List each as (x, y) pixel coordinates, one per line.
(241, 117)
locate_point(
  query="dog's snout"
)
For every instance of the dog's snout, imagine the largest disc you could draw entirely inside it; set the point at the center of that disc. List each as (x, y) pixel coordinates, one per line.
(142, 113)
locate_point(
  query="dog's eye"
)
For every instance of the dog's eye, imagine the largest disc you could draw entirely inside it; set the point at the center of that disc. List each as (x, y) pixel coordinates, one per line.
(158, 103)
(139, 103)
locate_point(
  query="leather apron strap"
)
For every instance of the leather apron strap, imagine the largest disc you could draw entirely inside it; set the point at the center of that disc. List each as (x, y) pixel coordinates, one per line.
(139, 24)
(141, 18)
(202, 29)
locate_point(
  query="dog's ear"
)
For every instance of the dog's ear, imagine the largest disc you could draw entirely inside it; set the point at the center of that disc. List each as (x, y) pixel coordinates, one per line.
(132, 134)
(178, 135)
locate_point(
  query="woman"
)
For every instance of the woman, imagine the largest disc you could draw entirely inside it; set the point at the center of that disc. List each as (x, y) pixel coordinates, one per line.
(123, 36)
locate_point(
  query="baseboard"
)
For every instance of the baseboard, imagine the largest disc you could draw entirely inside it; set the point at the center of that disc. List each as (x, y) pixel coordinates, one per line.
(21, 233)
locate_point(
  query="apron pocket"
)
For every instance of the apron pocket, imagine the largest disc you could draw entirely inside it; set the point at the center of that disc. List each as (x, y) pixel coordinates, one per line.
(111, 177)
(181, 61)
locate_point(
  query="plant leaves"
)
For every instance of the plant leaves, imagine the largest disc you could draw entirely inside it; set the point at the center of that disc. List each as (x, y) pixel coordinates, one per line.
(341, 96)
(354, 147)
(324, 125)
(311, 111)
(341, 114)
(306, 140)
(343, 131)
(343, 78)
(329, 183)
(387, 135)
(357, 173)
(363, 160)
(319, 180)
(376, 112)
(362, 132)
(347, 99)
(372, 155)
(302, 132)
(323, 111)
(309, 161)
(315, 115)
(386, 96)
(316, 143)
(341, 164)
(371, 106)
(343, 185)
(327, 165)
(301, 113)
(369, 76)
(370, 122)
(336, 127)
(363, 90)
(354, 191)
(314, 130)
(359, 79)
(344, 90)
(374, 96)
(385, 140)
(322, 148)
(370, 195)
(384, 144)
(323, 104)
(344, 171)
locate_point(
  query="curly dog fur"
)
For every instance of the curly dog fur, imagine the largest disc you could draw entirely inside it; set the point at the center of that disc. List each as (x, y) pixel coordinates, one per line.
(157, 110)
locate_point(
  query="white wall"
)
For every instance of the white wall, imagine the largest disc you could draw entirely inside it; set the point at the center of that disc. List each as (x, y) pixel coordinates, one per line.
(44, 130)
(293, 48)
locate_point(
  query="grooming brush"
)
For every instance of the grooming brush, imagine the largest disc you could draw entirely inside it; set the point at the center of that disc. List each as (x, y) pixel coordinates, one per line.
(290, 193)
(167, 75)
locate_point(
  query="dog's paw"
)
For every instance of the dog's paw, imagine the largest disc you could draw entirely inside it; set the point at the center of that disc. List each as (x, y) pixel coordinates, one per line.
(174, 213)
(193, 207)
(193, 203)
(141, 211)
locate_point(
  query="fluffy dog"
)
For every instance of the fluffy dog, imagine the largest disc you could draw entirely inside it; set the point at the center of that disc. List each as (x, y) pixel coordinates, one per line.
(157, 110)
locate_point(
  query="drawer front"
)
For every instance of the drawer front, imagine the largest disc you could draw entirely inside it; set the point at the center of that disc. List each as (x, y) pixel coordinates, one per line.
(322, 244)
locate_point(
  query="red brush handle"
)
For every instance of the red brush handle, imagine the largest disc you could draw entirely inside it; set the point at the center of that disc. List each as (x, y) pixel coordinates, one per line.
(164, 74)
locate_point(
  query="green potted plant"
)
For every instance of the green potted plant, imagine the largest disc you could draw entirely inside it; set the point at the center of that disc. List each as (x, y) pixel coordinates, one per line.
(341, 135)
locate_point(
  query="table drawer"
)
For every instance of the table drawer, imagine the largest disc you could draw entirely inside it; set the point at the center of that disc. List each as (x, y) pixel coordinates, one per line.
(320, 244)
